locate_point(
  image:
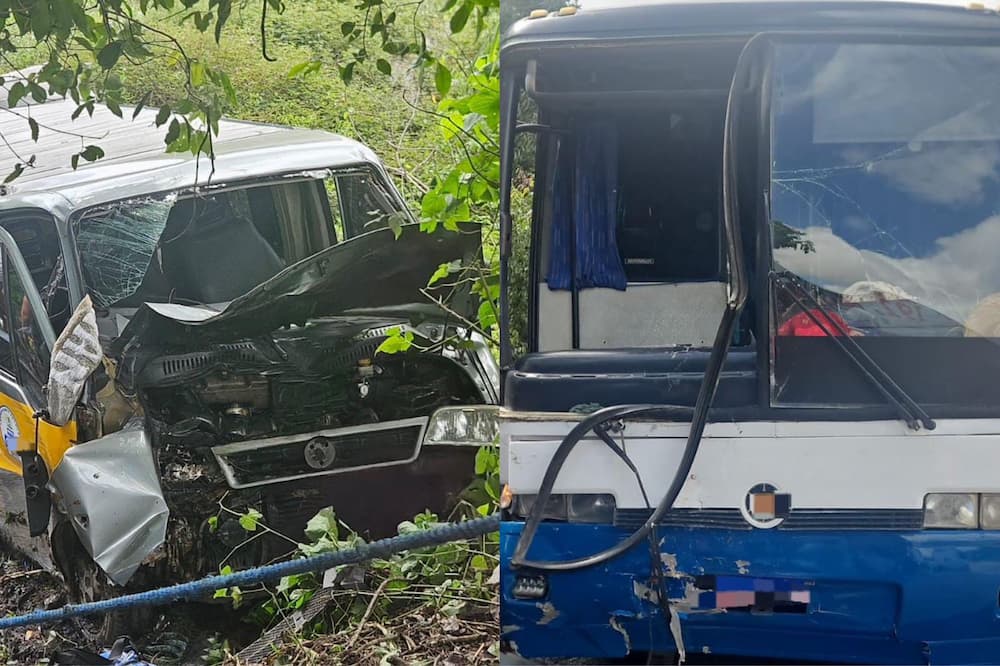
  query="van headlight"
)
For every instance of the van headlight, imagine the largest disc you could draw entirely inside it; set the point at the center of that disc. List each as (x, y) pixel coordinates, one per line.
(463, 426)
(576, 508)
(957, 511)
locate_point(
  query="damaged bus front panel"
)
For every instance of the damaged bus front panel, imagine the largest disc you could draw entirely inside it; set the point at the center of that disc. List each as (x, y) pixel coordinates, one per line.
(217, 353)
(754, 414)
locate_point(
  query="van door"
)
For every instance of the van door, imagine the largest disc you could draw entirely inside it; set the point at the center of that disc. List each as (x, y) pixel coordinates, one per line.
(32, 447)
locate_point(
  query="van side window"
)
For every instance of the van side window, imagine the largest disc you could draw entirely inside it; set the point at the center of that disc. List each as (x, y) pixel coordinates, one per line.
(30, 350)
(365, 205)
(6, 356)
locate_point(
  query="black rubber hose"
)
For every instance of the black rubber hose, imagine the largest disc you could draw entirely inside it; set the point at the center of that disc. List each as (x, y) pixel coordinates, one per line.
(698, 416)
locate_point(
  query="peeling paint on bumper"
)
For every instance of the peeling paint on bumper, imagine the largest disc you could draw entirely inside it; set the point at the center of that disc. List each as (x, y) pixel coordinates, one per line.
(886, 597)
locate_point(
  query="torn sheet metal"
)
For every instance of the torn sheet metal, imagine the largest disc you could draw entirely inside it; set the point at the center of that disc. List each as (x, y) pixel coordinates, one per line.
(76, 354)
(110, 489)
(374, 270)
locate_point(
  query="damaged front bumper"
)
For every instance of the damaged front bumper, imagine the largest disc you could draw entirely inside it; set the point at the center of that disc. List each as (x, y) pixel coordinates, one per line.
(852, 596)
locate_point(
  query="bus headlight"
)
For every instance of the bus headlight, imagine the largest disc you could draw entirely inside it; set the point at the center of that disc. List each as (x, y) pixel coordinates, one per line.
(463, 426)
(590, 508)
(957, 511)
(577, 508)
(989, 511)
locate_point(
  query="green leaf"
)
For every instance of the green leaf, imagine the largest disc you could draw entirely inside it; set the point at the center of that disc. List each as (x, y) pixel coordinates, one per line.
(346, 28)
(33, 124)
(213, 523)
(37, 92)
(383, 66)
(221, 594)
(486, 460)
(396, 342)
(323, 524)
(460, 17)
(142, 104)
(113, 106)
(197, 74)
(41, 19)
(225, 9)
(347, 73)
(109, 55)
(163, 115)
(16, 94)
(92, 153)
(444, 270)
(249, 520)
(173, 132)
(442, 79)
(14, 174)
(395, 221)
(227, 87)
(479, 563)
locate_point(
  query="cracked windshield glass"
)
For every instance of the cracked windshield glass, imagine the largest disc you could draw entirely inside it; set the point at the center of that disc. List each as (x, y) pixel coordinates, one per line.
(885, 194)
(160, 247)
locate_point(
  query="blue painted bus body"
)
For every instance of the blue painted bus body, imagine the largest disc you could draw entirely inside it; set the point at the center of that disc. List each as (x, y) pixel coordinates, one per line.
(909, 597)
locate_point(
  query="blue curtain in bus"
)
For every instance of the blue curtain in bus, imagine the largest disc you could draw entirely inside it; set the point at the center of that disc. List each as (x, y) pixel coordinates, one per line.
(585, 201)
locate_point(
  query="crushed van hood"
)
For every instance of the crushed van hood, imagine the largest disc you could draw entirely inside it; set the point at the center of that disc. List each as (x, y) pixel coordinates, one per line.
(369, 272)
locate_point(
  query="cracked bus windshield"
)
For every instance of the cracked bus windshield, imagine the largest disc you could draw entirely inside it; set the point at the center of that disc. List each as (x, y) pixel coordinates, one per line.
(885, 201)
(215, 246)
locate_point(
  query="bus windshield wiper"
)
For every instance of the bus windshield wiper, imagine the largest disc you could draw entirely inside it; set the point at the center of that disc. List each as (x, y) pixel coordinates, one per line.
(912, 413)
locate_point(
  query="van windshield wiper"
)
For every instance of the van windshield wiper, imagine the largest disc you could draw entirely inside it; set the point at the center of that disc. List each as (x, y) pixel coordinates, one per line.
(912, 413)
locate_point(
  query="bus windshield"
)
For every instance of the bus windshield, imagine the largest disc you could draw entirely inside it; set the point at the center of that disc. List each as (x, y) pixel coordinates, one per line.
(885, 200)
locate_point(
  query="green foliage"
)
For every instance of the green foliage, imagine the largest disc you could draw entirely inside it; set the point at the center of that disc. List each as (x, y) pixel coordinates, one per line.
(217, 652)
(443, 579)
(468, 117)
(302, 88)
(250, 519)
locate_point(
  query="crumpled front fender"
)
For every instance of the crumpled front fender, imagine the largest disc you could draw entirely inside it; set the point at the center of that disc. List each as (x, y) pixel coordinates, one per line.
(110, 489)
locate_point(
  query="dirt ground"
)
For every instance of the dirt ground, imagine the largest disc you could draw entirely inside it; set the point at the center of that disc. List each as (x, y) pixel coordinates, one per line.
(181, 635)
(184, 633)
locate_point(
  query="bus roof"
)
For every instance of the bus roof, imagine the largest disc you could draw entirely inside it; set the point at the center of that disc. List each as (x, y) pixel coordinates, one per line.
(625, 19)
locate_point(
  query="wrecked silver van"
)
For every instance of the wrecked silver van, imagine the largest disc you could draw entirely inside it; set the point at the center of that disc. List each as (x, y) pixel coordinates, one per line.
(183, 342)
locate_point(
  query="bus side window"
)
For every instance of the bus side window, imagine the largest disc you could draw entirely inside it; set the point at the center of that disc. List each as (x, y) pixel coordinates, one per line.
(31, 352)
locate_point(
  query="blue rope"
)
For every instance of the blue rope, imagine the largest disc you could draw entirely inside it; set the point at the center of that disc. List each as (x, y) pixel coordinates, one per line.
(380, 549)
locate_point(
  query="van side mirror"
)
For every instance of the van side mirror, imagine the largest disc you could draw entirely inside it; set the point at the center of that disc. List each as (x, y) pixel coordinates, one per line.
(75, 355)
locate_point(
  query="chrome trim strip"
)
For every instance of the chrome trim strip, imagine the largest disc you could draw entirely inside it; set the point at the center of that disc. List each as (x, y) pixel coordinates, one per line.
(220, 452)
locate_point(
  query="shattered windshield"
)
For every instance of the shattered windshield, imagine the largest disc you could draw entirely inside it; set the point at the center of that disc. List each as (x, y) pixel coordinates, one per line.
(120, 246)
(212, 246)
(885, 193)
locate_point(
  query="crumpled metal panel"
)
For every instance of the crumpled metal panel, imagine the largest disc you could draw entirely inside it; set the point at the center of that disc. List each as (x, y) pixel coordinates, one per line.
(374, 270)
(110, 488)
(76, 354)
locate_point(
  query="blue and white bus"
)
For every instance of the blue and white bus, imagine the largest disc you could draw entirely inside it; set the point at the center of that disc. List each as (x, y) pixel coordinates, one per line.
(755, 405)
